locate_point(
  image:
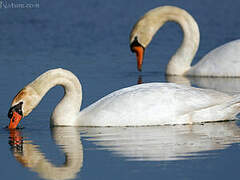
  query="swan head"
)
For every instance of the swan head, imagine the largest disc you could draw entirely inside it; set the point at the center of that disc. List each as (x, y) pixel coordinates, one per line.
(23, 103)
(137, 48)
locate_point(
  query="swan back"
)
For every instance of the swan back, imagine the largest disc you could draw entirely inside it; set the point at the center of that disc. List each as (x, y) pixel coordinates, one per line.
(152, 104)
(222, 62)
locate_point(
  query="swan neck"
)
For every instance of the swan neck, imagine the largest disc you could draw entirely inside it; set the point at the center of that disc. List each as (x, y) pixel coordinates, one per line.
(69, 106)
(152, 21)
(181, 61)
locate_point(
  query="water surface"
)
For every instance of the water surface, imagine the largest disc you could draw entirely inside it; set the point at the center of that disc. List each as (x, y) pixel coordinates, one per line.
(90, 38)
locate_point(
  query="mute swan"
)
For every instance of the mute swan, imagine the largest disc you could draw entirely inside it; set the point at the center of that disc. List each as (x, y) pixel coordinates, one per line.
(139, 105)
(223, 61)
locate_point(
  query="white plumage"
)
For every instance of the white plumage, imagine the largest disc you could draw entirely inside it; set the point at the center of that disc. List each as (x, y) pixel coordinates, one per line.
(223, 61)
(160, 104)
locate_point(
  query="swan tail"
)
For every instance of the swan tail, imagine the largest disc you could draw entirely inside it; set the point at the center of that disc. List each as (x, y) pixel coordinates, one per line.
(221, 112)
(233, 103)
(236, 98)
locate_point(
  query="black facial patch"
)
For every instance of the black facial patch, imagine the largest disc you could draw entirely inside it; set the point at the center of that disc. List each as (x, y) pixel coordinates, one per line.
(135, 43)
(17, 108)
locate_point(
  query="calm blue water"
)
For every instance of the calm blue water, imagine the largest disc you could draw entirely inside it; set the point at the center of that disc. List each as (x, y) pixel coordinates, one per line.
(90, 38)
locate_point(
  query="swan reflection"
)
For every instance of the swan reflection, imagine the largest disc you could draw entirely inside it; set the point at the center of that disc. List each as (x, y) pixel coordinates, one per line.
(30, 155)
(164, 143)
(227, 85)
(155, 143)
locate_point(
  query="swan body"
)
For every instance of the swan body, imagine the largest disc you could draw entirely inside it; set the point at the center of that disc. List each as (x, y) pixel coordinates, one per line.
(139, 105)
(223, 61)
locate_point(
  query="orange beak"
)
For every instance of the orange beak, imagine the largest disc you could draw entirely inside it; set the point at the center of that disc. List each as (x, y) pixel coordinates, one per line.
(139, 54)
(16, 118)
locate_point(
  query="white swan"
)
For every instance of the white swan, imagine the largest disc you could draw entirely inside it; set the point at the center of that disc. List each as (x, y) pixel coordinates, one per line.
(139, 105)
(223, 61)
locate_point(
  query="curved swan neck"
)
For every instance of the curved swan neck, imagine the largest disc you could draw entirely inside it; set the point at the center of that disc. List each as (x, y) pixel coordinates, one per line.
(152, 21)
(181, 61)
(69, 106)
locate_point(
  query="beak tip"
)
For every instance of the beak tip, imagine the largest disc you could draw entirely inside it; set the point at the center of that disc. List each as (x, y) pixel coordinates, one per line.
(14, 121)
(139, 55)
(139, 67)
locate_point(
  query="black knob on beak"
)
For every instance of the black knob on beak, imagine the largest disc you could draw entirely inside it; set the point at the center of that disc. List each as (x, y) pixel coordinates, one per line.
(17, 108)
